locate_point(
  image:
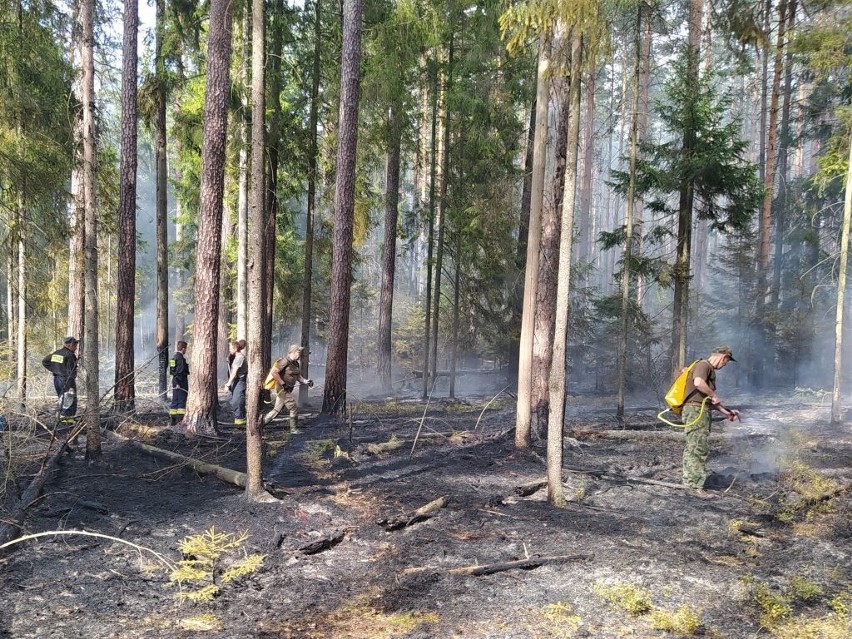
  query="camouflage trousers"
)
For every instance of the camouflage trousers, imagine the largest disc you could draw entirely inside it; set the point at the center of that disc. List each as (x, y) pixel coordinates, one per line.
(282, 398)
(697, 447)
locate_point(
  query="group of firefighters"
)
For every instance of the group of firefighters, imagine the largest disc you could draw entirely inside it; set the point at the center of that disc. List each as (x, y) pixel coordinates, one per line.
(281, 380)
(700, 399)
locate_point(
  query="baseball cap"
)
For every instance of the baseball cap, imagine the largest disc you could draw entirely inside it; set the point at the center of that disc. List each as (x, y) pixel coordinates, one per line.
(725, 350)
(71, 340)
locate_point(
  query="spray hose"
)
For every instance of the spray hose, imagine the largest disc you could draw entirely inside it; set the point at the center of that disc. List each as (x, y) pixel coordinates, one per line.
(684, 426)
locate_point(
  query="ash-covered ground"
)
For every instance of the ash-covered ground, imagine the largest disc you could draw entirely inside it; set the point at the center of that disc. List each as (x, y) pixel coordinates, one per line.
(631, 554)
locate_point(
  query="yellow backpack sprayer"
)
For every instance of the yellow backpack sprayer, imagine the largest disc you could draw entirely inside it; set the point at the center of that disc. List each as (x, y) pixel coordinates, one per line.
(676, 397)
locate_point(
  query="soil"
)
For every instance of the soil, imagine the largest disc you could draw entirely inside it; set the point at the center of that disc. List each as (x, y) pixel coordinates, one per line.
(768, 523)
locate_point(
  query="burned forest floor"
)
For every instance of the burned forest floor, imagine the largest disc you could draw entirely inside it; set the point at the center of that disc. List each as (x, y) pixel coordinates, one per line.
(376, 536)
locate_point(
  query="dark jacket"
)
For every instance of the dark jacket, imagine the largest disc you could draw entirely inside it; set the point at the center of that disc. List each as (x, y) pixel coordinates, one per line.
(178, 366)
(62, 363)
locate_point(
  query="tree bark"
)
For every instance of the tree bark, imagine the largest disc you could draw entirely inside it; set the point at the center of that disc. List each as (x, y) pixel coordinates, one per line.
(836, 407)
(21, 341)
(442, 204)
(524, 417)
(242, 190)
(334, 395)
(256, 265)
(202, 401)
(90, 339)
(162, 210)
(384, 346)
(430, 237)
(626, 273)
(125, 392)
(680, 309)
(551, 227)
(307, 286)
(555, 492)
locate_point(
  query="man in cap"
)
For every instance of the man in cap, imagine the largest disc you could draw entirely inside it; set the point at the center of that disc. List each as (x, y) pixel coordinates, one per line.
(63, 364)
(701, 400)
(285, 373)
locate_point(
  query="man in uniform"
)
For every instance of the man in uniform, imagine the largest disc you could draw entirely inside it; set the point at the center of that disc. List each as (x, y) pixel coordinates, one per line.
(285, 373)
(63, 364)
(180, 383)
(701, 400)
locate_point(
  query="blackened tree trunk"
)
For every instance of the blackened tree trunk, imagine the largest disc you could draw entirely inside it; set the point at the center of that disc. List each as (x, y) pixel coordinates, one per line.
(202, 404)
(162, 211)
(307, 288)
(90, 339)
(383, 367)
(334, 395)
(125, 394)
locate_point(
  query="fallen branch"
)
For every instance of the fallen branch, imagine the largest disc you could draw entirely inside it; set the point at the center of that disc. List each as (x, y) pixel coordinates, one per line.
(12, 526)
(490, 569)
(203, 468)
(322, 544)
(421, 514)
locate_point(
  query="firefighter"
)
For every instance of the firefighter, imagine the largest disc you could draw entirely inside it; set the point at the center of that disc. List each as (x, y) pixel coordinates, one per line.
(179, 369)
(63, 364)
(285, 373)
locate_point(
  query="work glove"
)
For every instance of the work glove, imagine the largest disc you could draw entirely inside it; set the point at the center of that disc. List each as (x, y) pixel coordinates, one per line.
(310, 383)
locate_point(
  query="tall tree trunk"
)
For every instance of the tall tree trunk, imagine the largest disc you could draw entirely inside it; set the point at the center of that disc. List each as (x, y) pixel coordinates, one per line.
(383, 367)
(771, 162)
(202, 401)
(440, 220)
(256, 270)
(307, 289)
(764, 93)
(11, 301)
(430, 236)
(836, 408)
(76, 256)
(162, 206)
(454, 348)
(524, 414)
(334, 395)
(526, 193)
(558, 381)
(551, 228)
(626, 271)
(21, 340)
(242, 189)
(585, 213)
(680, 309)
(125, 392)
(272, 144)
(646, 27)
(783, 165)
(90, 339)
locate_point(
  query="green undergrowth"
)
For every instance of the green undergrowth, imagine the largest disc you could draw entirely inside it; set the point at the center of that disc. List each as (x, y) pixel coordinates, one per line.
(800, 609)
(683, 622)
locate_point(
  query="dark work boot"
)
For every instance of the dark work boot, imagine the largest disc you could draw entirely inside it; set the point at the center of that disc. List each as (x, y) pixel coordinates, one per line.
(294, 425)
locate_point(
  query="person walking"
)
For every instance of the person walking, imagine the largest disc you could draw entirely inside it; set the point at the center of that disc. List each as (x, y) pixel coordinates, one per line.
(63, 364)
(179, 369)
(286, 372)
(236, 384)
(701, 400)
